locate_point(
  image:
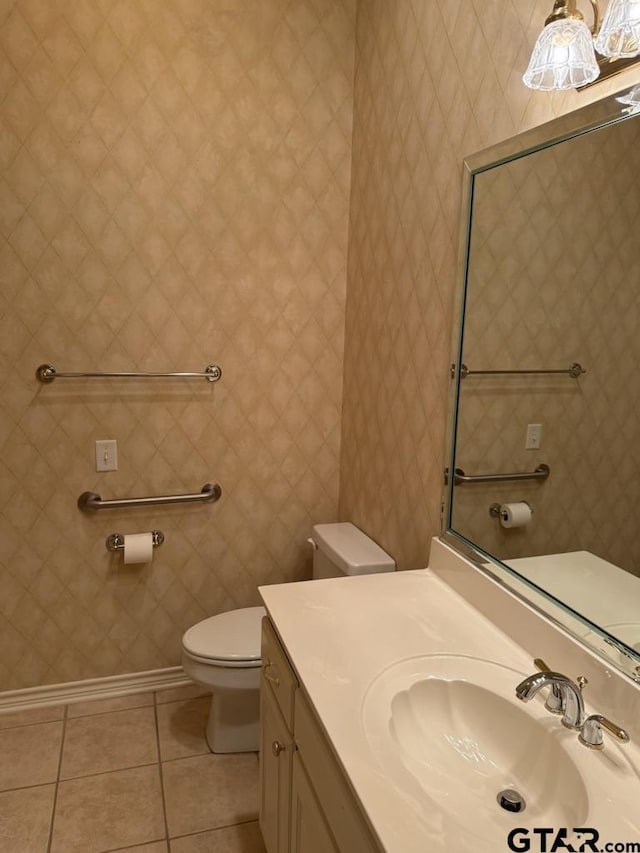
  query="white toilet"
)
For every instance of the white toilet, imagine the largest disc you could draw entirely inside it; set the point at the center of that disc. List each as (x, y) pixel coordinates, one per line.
(223, 652)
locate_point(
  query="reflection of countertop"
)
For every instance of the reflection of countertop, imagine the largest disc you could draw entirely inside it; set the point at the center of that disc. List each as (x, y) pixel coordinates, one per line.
(600, 591)
(340, 634)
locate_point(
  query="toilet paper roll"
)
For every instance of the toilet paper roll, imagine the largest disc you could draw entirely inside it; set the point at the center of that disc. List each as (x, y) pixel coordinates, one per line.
(138, 548)
(515, 514)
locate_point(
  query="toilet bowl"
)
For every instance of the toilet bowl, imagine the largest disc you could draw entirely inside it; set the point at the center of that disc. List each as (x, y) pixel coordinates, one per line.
(223, 652)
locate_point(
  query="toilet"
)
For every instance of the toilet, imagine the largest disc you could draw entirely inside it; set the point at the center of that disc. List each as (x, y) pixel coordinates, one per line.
(223, 651)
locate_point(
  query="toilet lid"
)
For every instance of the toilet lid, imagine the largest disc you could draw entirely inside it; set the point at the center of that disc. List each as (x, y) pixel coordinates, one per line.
(234, 635)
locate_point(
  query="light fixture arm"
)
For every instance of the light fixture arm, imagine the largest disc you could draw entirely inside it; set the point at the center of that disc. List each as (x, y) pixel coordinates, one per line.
(563, 9)
(596, 17)
(568, 9)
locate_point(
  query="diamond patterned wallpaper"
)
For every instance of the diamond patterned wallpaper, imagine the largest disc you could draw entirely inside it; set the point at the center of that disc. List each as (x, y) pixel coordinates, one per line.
(174, 192)
(435, 81)
(554, 289)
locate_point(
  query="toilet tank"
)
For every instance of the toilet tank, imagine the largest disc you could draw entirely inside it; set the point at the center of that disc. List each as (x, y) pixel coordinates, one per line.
(342, 549)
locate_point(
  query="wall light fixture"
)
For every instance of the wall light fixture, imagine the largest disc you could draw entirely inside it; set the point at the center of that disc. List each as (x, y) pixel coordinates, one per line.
(564, 56)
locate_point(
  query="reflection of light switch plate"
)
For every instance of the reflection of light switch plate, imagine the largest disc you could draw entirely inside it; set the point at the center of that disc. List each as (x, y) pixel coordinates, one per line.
(107, 455)
(534, 437)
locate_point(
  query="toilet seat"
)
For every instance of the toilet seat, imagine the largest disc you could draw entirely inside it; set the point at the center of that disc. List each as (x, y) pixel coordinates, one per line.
(229, 639)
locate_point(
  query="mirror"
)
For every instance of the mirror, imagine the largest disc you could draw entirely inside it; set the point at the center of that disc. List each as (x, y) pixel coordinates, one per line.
(546, 423)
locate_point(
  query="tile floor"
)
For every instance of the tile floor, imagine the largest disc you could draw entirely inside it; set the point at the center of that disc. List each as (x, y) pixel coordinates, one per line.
(132, 775)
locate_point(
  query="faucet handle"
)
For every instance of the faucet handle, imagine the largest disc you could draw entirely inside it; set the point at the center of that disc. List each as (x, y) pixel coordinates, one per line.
(554, 699)
(591, 734)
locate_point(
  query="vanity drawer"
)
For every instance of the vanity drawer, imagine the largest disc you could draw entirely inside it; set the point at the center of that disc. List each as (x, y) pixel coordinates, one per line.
(277, 672)
(339, 803)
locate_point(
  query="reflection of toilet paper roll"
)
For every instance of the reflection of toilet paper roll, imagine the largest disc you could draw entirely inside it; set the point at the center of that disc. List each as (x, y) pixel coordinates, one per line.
(515, 515)
(138, 548)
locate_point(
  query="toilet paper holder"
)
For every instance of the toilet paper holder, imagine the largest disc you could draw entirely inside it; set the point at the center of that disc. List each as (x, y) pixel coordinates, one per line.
(115, 542)
(495, 510)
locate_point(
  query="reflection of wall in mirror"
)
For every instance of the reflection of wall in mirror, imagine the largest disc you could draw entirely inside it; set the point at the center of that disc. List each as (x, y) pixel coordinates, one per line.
(553, 279)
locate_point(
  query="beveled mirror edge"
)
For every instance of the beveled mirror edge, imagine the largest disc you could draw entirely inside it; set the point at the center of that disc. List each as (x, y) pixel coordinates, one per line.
(456, 343)
(584, 120)
(607, 111)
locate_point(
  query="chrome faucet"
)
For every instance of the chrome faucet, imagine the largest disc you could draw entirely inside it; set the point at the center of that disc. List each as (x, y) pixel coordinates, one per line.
(572, 702)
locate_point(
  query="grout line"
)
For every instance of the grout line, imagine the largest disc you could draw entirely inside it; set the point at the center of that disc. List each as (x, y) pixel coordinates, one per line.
(164, 804)
(55, 793)
(28, 787)
(107, 772)
(28, 725)
(100, 713)
(141, 845)
(216, 829)
(196, 755)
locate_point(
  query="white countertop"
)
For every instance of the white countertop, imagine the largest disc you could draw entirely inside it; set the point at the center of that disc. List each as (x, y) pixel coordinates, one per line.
(340, 635)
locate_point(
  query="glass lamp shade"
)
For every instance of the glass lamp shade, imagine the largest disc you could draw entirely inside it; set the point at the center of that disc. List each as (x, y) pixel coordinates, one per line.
(632, 98)
(619, 34)
(563, 57)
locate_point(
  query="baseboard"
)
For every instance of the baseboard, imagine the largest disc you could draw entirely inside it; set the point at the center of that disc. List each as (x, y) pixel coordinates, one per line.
(92, 688)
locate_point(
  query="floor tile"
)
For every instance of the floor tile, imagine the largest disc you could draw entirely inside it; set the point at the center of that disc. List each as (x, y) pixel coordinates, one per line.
(31, 717)
(25, 817)
(108, 811)
(156, 847)
(178, 694)
(181, 726)
(210, 791)
(30, 755)
(105, 742)
(103, 706)
(245, 838)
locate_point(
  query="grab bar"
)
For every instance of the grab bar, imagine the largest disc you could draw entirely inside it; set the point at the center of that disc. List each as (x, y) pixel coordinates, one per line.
(575, 370)
(90, 501)
(47, 373)
(541, 473)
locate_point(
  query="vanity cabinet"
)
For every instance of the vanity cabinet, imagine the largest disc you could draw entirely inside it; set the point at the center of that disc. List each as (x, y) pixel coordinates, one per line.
(306, 804)
(309, 830)
(277, 689)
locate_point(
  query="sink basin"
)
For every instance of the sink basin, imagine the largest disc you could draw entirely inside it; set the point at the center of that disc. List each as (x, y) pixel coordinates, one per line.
(449, 731)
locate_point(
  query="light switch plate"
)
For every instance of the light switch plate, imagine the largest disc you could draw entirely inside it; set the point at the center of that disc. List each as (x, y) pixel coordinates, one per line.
(534, 437)
(107, 455)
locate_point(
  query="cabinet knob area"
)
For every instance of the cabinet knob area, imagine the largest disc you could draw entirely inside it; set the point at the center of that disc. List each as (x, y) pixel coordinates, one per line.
(277, 748)
(269, 674)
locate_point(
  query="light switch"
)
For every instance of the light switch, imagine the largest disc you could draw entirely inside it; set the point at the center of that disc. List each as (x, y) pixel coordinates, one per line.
(534, 437)
(107, 455)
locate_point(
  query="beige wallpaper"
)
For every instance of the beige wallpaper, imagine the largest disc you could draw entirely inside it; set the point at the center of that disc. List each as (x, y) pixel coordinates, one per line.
(547, 289)
(435, 81)
(174, 192)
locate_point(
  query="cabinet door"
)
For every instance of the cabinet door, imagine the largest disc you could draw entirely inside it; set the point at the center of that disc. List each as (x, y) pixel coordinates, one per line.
(276, 757)
(309, 830)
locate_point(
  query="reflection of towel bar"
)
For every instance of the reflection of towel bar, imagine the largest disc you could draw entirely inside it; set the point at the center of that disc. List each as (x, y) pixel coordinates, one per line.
(541, 473)
(574, 371)
(90, 501)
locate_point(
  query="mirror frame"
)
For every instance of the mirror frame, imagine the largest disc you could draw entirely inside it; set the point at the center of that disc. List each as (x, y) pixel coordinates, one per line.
(604, 113)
